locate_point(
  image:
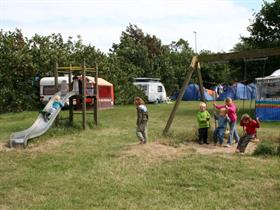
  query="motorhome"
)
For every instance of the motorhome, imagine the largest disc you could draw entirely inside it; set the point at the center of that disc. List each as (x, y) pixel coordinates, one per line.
(153, 89)
(47, 87)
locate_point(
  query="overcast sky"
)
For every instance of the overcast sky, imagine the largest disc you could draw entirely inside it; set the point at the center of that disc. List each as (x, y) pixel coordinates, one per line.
(218, 23)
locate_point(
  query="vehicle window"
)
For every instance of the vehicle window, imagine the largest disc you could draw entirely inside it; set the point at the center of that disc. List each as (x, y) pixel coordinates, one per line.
(49, 90)
(159, 89)
(143, 87)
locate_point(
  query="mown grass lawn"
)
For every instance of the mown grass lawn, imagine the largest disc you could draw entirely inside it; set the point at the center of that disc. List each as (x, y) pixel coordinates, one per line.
(68, 168)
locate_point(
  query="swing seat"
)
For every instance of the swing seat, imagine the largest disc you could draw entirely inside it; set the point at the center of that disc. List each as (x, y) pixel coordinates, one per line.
(255, 140)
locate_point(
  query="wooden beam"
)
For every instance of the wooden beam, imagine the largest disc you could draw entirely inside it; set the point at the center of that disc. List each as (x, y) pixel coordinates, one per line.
(96, 97)
(70, 99)
(201, 88)
(257, 53)
(56, 88)
(180, 96)
(84, 94)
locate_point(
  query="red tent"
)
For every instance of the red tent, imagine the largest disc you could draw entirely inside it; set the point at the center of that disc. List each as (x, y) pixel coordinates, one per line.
(105, 90)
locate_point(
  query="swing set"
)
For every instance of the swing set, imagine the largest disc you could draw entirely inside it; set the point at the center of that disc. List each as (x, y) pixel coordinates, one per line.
(252, 55)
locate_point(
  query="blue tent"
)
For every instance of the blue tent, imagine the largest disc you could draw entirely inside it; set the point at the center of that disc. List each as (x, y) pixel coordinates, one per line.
(239, 91)
(192, 93)
(253, 89)
(229, 91)
(242, 92)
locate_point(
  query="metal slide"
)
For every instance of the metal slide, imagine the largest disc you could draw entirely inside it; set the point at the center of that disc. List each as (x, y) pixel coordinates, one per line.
(40, 126)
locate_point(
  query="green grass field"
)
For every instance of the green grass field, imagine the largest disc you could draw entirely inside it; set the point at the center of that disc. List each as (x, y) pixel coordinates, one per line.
(104, 167)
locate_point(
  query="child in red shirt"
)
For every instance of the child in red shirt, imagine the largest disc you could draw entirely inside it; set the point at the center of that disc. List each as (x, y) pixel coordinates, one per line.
(250, 132)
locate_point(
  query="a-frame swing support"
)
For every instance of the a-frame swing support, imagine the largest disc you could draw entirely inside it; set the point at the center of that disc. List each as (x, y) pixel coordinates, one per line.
(195, 66)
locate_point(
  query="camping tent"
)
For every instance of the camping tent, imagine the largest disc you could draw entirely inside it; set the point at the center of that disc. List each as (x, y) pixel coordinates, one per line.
(105, 92)
(192, 93)
(239, 91)
(229, 92)
(268, 97)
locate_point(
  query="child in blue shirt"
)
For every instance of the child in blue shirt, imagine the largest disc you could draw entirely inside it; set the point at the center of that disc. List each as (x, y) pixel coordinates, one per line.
(219, 132)
(55, 105)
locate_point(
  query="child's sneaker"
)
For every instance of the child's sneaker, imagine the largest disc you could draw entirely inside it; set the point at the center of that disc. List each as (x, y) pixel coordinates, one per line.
(227, 145)
(45, 117)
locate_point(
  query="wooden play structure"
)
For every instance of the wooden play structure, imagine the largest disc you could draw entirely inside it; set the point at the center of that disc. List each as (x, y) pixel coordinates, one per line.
(220, 57)
(65, 93)
(75, 71)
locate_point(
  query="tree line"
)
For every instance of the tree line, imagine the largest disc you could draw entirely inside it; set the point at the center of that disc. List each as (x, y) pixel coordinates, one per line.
(23, 61)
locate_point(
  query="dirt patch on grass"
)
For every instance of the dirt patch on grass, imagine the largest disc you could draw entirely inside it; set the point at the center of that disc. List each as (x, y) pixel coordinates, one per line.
(154, 151)
(4, 146)
(36, 147)
(211, 149)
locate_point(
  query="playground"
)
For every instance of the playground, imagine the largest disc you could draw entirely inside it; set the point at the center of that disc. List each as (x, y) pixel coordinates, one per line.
(103, 167)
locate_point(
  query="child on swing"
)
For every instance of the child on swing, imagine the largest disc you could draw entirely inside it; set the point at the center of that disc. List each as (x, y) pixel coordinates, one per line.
(219, 132)
(250, 132)
(231, 111)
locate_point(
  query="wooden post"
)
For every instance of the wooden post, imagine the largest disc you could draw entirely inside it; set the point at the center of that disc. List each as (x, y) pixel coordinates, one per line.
(71, 98)
(84, 94)
(56, 87)
(56, 77)
(201, 89)
(96, 96)
(180, 96)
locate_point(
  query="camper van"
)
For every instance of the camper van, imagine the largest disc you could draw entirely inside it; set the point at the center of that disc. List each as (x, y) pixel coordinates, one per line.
(153, 89)
(47, 87)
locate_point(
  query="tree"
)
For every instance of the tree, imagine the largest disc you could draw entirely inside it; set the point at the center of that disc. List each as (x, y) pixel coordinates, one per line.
(264, 33)
(17, 70)
(265, 29)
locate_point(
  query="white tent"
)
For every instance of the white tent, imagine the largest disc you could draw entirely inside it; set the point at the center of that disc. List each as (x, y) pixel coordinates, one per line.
(268, 97)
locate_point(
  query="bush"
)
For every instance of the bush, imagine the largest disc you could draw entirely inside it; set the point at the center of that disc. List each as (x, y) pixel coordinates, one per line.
(265, 148)
(126, 93)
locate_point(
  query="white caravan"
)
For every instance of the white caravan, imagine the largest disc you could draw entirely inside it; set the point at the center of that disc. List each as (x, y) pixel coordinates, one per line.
(153, 89)
(47, 87)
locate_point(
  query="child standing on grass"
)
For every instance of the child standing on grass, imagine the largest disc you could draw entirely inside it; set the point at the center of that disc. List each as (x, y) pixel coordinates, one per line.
(219, 132)
(250, 132)
(203, 119)
(231, 111)
(142, 120)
